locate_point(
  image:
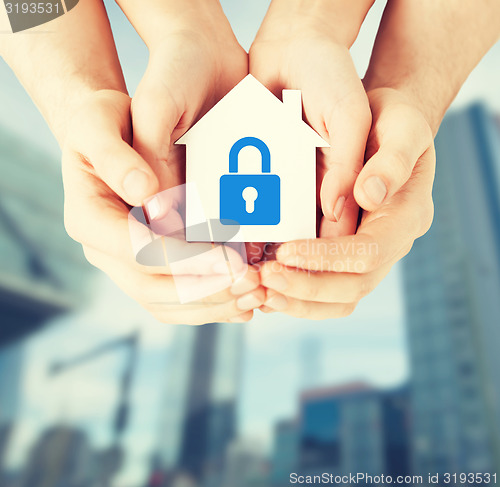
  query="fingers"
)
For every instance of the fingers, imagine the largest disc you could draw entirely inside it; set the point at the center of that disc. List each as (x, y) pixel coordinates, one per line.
(155, 114)
(341, 100)
(402, 136)
(382, 236)
(237, 308)
(348, 126)
(346, 120)
(169, 97)
(93, 215)
(335, 105)
(325, 287)
(165, 255)
(306, 309)
(330, 276)
(99, 138)
(346, 224)
(243, 318)
(352, 254)
(160, 294)
(102, 222)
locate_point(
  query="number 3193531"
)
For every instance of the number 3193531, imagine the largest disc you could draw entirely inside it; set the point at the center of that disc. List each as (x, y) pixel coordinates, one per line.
(33, 8)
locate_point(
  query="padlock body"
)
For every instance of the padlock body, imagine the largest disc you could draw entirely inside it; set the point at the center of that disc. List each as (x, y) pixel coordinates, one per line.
(233, 206)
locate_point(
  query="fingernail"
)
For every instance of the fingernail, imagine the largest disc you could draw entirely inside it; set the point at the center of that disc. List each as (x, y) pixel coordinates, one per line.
(338, 208)
(375, 189)
(243, 286)
(275, 281)
(136, 184)
(277, 302)
(153, 208)
(247, 302)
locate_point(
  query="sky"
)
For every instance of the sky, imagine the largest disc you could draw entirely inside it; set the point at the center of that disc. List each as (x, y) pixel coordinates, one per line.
(369, 345)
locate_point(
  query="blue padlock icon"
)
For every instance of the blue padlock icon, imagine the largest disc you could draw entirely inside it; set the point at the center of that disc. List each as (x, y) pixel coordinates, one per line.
(250, 199)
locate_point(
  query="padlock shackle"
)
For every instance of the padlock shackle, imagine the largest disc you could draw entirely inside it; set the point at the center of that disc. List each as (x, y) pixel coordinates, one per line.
(252, 142)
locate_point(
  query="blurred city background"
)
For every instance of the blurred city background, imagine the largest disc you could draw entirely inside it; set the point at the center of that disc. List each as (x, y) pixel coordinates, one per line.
(94, 392)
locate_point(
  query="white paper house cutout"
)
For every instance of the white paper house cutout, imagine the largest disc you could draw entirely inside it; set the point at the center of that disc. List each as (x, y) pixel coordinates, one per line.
(251, 110)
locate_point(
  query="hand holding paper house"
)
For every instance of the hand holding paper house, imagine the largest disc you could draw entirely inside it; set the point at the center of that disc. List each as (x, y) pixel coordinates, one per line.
(253, 161)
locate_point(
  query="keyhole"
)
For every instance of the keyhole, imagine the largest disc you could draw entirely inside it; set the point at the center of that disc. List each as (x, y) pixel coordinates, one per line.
(250, 195)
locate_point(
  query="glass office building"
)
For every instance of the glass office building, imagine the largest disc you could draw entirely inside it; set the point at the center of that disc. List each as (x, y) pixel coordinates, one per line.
(42, 270)
(199, 415)
(285, 454)
(452, 290)
(354, 428)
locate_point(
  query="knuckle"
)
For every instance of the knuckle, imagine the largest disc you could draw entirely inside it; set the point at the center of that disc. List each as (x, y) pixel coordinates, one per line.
(302, 309)
(104, 158)
(363, 288)
(400, 167)
(347, 310)
(312, 291)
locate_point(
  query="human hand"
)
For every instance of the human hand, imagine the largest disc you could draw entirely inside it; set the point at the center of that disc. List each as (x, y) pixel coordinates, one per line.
(298, 47)
(195, 60)
(326, 277)
(193, 63)
(103, 176)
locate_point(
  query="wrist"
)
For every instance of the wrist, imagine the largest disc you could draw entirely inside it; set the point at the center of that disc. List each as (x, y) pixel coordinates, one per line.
(336, 20)
(60, 116)
(156, 21)
(424, 93)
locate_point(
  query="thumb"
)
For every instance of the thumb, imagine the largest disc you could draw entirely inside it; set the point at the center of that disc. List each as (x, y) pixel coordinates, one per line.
(124, 171)
(402, 139)
(100, 141)
(155, 115)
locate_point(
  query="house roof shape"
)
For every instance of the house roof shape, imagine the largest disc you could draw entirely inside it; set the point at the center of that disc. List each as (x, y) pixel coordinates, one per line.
(249, 88)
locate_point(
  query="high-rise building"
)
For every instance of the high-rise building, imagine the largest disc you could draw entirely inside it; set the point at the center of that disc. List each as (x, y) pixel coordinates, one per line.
(61, 456)
(246, 465)
(452, 290)
(285, 454)
(199, 414)
(354, 428)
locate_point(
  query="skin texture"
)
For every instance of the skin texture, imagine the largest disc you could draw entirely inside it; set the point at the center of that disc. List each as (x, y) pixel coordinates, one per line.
(97, 217)
(118, 152)
(418, 65)
(90, 113)
(61, 68)
(294, 41)
(326, 277)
